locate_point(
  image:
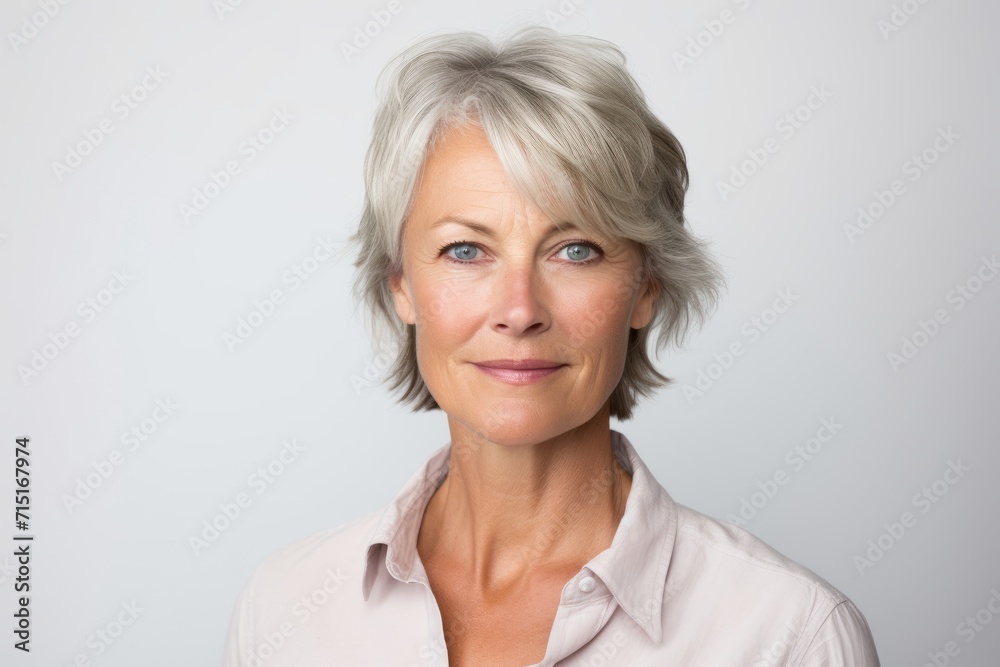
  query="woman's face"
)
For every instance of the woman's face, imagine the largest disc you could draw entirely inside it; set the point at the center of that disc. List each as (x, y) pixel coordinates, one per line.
(485, 279)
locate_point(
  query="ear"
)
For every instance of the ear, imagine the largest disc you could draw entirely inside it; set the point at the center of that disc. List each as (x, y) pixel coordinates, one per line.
(402, 298)
(642, 311)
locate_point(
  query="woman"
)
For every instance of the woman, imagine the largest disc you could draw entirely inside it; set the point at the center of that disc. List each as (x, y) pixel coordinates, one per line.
(523, 232)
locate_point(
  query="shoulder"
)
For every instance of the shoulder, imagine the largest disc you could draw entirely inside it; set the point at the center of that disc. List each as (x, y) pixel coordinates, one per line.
(307, 579)
(301, 566)
(343, 544)
(720, 544)
(764, 592)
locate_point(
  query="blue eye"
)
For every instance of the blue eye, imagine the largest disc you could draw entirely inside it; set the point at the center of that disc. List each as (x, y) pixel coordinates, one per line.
(463, 250)
(577, 251)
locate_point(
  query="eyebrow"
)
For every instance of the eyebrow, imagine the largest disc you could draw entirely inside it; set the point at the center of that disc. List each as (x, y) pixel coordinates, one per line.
(488, 231)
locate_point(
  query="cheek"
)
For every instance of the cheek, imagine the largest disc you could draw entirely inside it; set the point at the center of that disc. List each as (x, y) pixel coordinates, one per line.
(596, 319)
(447, 311)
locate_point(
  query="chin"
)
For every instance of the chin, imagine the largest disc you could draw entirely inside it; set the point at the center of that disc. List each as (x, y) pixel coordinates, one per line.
(518, 422)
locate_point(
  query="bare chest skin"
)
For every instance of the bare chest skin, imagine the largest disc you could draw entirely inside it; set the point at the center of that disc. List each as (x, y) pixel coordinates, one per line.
(512, 629)
(499, 612)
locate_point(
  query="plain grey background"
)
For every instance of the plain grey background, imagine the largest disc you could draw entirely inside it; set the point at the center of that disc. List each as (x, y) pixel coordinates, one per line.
(843, 99)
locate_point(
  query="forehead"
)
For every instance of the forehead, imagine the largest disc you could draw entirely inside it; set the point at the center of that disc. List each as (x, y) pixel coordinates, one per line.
(462, 177)
(461, 168)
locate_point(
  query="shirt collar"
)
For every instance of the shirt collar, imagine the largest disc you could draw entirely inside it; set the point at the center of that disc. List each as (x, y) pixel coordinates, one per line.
(634, 567)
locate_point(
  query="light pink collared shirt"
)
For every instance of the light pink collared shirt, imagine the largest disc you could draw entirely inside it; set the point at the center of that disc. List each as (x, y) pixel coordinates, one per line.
(675, 587)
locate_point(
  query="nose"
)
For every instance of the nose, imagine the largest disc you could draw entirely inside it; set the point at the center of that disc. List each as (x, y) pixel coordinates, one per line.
(519, 301)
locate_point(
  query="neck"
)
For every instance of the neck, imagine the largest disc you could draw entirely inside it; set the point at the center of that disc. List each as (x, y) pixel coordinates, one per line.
(504, 512)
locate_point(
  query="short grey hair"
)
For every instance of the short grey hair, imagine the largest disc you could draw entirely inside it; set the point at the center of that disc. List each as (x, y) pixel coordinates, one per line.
(572, 129)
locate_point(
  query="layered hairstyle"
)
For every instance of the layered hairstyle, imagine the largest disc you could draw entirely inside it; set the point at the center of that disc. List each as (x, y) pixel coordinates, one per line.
(572, 129)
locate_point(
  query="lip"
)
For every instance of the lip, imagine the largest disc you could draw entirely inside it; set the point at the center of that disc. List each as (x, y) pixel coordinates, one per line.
(519, 371)
(519, 364)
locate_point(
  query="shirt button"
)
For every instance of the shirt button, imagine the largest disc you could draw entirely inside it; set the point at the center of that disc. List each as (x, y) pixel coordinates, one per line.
(587, 584)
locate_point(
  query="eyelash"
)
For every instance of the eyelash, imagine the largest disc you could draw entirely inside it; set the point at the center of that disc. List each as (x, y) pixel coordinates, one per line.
(590, 260)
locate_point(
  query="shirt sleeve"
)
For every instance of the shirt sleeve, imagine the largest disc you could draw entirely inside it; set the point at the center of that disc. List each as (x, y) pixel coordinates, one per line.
(240, 638)
(843, 640)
